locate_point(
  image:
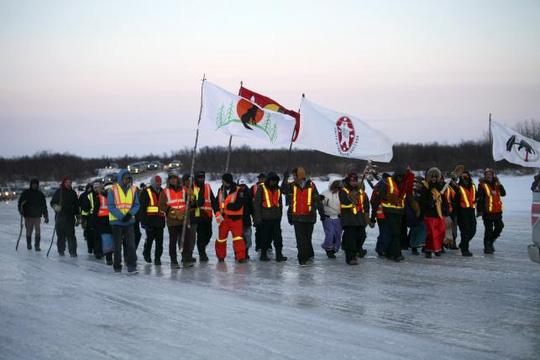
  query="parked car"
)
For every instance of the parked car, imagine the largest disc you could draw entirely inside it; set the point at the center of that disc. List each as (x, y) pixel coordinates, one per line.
(155, 165)
(144, 165)
(7, 193)
(175, 164)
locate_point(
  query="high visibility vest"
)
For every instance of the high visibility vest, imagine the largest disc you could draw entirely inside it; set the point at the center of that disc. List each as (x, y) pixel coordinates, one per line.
(302, 200)
(103, 209)
(231, 198)
(393, 189)
(449, 194)
(270, 197)
(176, 199)
(254, 189)
(152, 208)
(207, 207)
(90, 198)
(354, 208)
(123, 202)
(494, 203)
(468, 197)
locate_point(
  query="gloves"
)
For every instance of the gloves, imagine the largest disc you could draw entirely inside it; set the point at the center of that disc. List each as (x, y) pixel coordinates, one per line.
(46, 220)
(57, 208)
(126, 217)
(219, 218)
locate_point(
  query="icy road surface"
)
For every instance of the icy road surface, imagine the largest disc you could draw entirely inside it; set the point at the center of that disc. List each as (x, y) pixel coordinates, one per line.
(484, 307)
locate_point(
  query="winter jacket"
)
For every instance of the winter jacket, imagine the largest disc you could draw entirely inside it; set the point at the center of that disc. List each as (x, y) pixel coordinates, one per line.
(482, 204)
(203, 216)
(386, 196)
(433, 203)
(460, 211)
(248, 207)
(152, 221)
(114, 210)
(348, 217)
(35, 205)
(331, 203)
(175, 218)
(67, 199)
(238, 204)
(261, 213)
(90, 206)
(316, 205)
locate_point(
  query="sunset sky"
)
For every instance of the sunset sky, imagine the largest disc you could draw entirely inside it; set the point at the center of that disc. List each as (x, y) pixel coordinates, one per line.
(118, 77)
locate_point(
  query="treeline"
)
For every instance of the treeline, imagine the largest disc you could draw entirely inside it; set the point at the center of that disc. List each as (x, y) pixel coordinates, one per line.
(48, 166)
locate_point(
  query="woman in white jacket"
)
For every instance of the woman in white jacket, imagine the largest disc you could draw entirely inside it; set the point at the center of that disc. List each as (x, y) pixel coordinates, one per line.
(330, 220)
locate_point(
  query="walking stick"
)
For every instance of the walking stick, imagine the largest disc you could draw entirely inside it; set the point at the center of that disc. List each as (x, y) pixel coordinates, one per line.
(20, 232)
(184, 225)
(54, 231)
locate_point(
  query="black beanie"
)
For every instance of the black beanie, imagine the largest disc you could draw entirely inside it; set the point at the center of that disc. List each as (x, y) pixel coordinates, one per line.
(227, 178)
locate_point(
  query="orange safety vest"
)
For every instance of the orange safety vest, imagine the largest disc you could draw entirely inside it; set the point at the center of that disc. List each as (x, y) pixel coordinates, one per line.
(302, 200)
(450, 193)
(231, 198)
(359, 207)
(122, 201)
(270, 201)
(468, 197)
(152, 208)
(393, 189)
(103, 209)
(207, 207)
(494, 203)
(254, 189)
(176, 199)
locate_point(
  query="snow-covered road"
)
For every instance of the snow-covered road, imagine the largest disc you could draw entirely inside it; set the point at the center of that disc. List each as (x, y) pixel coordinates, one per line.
(484, 307)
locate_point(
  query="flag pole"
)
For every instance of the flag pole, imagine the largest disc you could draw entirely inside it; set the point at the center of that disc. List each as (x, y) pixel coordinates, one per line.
(292, 137)
(229, 154)
(491, 141)
(192, 169)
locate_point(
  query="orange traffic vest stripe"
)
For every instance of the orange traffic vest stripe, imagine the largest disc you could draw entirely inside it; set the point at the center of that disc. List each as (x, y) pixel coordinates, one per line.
(231, 198)
(494, 203)
(207, 207)
(268, 201)
(301, 200)
(152, 208)
(468, 197)
(359, 207)
(450, 193)
(393, 189)
(122, 201)
(175, 199)
(103, 209)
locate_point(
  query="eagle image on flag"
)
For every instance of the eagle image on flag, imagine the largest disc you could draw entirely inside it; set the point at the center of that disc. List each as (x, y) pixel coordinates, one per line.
(234, 115)
(513, 147)
(342, 135)
(266, 103)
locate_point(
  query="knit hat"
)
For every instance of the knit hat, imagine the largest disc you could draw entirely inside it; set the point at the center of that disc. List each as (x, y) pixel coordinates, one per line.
(352, 176)
(489, 170)
(157, 178)
(173, 174)
(34, 181)
(227, 177)
(200, 174)
(261, 176)
(185, 177)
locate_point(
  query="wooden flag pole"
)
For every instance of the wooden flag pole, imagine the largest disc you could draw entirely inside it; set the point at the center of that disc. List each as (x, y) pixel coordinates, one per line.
(229, 155)
(491, 141)
(192, 176)
(290, 147)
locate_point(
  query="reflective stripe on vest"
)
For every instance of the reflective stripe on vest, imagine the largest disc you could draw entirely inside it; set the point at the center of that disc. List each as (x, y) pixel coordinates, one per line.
(103, 209)
(175, 199)
(90, 198)
(152, 208)
(301, 200)
(231, 198)
(393, 189)
(494, 201)
(450, 193)
(122, 201)
(359, 207)
(207, 207)
(273, 201)
(468, 197)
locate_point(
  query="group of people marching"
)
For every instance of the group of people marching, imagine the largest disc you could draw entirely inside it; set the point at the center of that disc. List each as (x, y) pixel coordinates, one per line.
(410, 212)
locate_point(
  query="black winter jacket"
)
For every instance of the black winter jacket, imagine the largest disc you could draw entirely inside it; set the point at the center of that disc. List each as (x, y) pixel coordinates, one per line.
(35, 205)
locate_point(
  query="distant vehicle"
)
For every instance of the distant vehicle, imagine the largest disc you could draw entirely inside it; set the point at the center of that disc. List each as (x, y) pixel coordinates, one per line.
(7, 193)
(175, 164)
(136, 168)
(109, 178)
(145, 164)
(155, 165)
(112, 165)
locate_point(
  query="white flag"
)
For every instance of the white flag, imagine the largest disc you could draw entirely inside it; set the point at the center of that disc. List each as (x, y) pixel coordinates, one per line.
(513, 147)
(234, 115)
(341, 135)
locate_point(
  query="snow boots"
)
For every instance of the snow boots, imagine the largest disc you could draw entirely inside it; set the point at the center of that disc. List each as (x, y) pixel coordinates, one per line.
(37, 242)
(279, 256)
(29, 242)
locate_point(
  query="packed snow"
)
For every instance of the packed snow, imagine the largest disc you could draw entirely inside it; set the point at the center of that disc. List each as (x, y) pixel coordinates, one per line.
(484, 307)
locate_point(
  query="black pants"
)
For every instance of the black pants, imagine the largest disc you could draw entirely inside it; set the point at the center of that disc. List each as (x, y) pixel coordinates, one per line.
(96, 240)
(303, 232)
(467, 228)
(154, 234)
(204, 234)
(88, 234)
(270, 230)
(65, 228)
(138, 235)
(493, 229)
(404, 240)
(258, 238)
(175, 239)
(353, 241)
(126, 235)
(393, 221)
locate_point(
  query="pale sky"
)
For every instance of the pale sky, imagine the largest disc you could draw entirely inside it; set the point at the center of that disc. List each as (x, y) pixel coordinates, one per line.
(123, 77)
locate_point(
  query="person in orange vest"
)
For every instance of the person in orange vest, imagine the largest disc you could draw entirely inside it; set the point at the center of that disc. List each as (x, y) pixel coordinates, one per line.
(173, 202)
(490, 207)
(392, 201)
(450, 221)
(153, 220)
(103, 228)
(302, 213)
(229, 216)
(206, 201)
(415, 217)
(354, 207)
(248, 215)
(377, 216)
(123, 205)
(435, 208)
(466, 198)
(89, 211)
(252, 192)
(267, 214)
